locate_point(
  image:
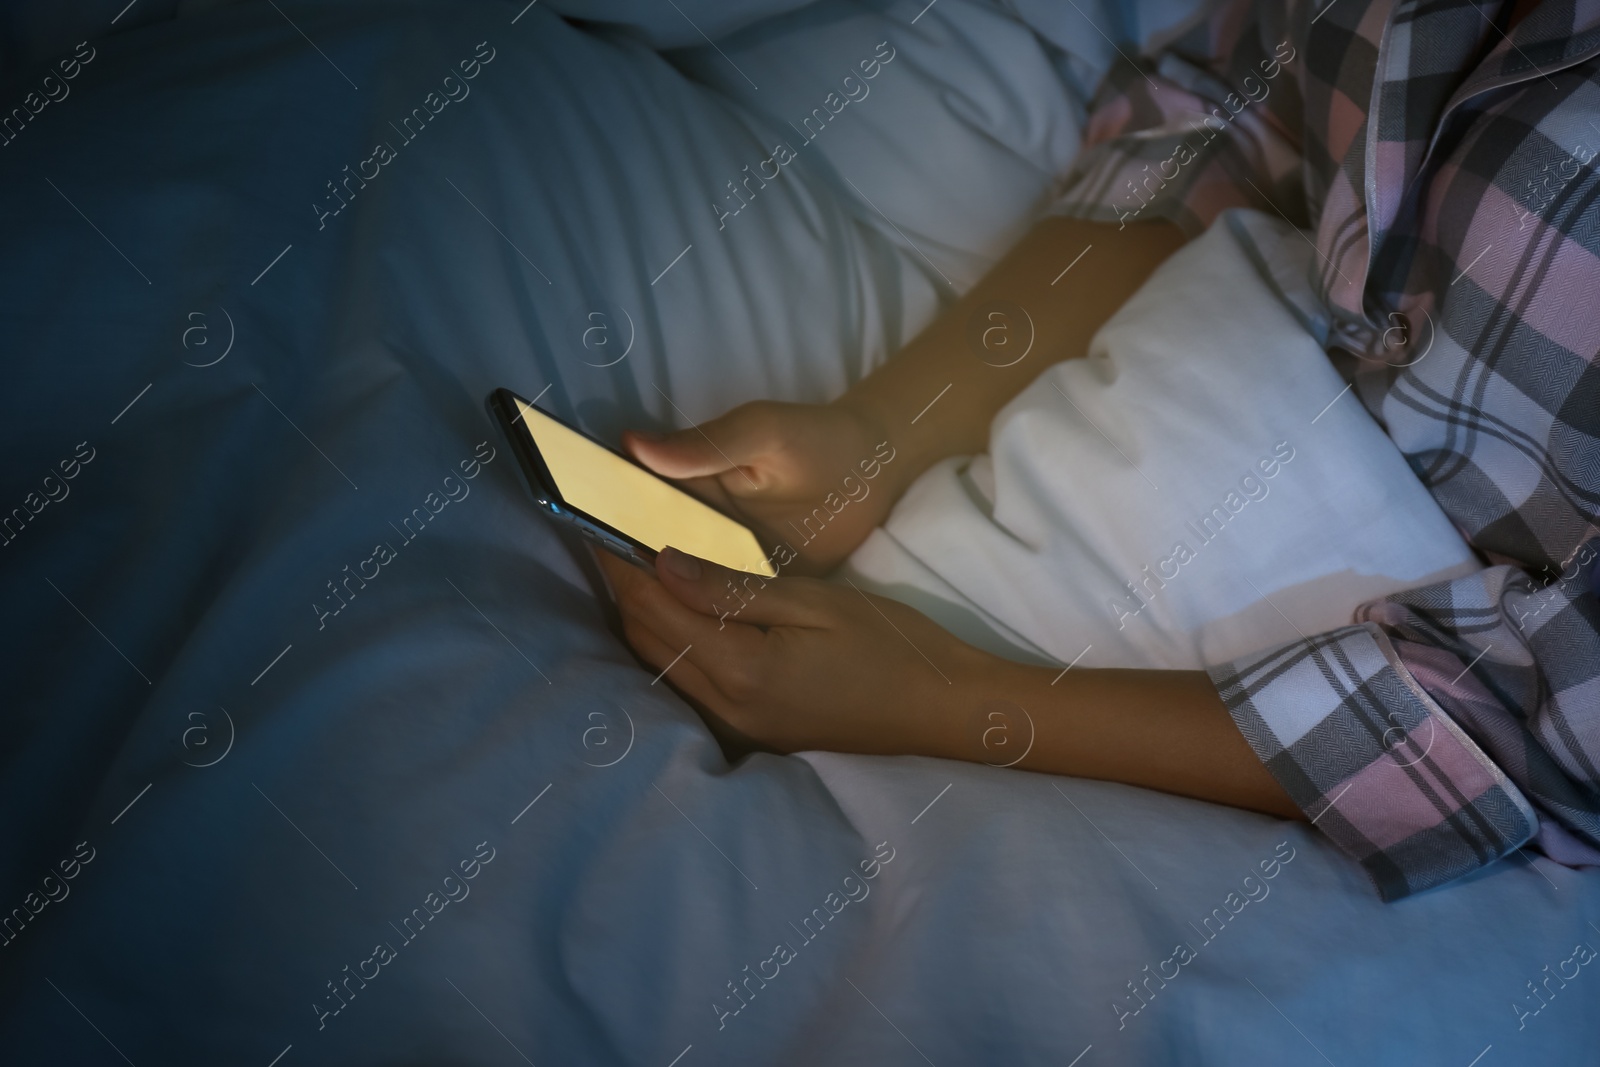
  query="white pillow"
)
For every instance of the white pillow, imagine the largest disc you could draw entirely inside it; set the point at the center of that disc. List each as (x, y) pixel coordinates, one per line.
(1191, 492)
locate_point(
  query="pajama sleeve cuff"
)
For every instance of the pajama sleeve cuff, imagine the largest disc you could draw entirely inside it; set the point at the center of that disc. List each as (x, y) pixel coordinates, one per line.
(1373, 761)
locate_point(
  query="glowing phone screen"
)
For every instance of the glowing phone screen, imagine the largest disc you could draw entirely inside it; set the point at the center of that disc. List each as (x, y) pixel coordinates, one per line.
(602, 485)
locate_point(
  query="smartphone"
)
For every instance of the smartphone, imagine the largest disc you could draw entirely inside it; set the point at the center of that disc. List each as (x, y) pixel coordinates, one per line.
(612, 500)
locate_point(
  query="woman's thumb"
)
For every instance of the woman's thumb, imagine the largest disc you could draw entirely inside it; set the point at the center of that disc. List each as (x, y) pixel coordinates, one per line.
(716, 447)
(713, 589)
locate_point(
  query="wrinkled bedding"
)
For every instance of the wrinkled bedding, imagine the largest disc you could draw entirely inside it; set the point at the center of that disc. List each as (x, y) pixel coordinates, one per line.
(1198, 488)
(274, 795)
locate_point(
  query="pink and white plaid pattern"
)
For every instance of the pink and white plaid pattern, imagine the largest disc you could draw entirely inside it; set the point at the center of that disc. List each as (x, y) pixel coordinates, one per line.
(1445, 166)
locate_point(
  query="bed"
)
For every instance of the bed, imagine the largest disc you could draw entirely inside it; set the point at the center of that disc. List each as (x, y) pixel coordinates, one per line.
(320, 747)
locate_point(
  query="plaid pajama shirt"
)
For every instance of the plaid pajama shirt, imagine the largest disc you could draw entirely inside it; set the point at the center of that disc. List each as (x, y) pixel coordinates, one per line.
(1445, 168)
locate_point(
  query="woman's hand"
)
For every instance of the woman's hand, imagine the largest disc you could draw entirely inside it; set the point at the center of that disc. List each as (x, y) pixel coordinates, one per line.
(794, 664)
(797, 664)
(818, 477)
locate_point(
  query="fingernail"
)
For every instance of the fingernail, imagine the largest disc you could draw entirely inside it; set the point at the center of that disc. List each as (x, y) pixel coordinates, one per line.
(648, 435)
(682, 564)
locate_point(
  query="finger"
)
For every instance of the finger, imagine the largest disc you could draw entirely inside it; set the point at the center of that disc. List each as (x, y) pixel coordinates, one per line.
(623, 576)
(729, 443)
(642, 597)
(723, 593)
(729, 655)
(691, 683)
(709, 489)
(630, 584)
(725, 654)
(670, 664)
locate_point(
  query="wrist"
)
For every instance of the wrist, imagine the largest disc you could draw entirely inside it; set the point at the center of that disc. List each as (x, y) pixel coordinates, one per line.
(914, 449)
(992, 713)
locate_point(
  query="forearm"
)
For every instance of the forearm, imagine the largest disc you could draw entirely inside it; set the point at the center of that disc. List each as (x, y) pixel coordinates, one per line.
(1166, 730)
(1065, 308)
(812, 665)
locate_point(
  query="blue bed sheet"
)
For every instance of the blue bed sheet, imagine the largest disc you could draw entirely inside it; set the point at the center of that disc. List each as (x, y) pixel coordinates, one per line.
(319, 749)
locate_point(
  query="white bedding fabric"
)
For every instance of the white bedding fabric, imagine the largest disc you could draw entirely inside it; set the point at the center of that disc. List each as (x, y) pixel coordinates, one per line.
(1199, 488)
